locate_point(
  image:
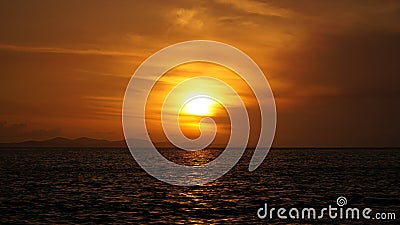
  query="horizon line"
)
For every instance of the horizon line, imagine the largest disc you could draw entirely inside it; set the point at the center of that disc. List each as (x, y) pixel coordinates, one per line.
(251, 147)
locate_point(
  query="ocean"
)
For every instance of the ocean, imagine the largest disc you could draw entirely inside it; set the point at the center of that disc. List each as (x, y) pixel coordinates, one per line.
(94, 185)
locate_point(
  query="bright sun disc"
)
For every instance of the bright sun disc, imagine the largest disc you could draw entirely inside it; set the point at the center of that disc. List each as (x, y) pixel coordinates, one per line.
(199, 106)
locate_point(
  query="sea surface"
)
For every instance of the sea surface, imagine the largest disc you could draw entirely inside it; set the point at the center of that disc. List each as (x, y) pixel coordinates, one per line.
(94, 185)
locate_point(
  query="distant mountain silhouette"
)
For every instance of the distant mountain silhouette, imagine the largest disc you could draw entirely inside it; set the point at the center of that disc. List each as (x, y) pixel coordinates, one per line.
(65, 142)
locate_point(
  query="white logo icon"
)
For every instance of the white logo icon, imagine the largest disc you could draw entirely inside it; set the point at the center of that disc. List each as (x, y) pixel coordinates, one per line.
(149, 72)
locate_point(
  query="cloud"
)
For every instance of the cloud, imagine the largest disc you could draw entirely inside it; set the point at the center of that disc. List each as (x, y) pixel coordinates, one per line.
(351, 77)
(256, 7)
(12, 132)
(58, 50)
(188, 18)
(104, 107)
(358, 63)
(331, 64)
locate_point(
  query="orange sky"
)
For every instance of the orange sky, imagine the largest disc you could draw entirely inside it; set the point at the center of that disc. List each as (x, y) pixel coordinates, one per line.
(333, 66)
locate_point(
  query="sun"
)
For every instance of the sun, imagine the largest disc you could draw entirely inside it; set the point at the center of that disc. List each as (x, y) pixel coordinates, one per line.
(199, 106)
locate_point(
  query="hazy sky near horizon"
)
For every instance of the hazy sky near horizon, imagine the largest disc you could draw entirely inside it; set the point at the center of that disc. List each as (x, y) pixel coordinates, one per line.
(333, 65)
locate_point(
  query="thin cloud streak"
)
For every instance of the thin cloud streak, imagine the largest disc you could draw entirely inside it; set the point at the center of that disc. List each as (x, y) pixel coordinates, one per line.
(260, 8)
(58, 50)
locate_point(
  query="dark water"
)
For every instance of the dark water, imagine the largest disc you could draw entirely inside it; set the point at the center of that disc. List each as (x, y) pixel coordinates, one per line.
(107, 186)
